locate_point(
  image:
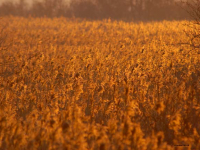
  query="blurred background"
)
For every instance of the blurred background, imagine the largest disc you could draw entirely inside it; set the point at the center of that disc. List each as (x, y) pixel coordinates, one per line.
(127, 10)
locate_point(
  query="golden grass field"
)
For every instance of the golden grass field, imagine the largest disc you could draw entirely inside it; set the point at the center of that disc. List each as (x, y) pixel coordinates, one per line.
(69, 84)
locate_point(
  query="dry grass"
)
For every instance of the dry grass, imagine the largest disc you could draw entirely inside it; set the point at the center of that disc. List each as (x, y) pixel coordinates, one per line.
(70, 84)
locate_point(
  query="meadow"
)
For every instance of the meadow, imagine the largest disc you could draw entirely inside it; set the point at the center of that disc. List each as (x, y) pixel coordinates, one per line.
(70, 84)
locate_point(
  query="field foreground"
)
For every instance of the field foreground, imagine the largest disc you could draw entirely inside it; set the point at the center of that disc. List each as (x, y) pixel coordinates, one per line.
(102, 85)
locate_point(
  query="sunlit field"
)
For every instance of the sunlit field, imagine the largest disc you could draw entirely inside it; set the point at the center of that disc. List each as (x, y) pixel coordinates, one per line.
(98, 85)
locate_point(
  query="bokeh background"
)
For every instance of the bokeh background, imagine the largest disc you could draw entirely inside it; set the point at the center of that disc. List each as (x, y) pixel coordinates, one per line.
(127, 10)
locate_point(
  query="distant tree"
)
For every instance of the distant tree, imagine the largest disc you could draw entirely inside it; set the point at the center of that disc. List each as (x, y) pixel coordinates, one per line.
(7, 8)
(50, 8)
(84, 9)
(62, 9)
(37, 9)
(21, 8)
(16, 9)
(116, 9)
(142, 10)
(194, 11)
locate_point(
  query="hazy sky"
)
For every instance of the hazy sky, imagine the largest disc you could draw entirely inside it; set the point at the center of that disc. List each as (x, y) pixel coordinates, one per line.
(29, 1)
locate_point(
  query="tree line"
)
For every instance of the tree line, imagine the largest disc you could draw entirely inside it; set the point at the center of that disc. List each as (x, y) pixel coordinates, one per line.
(134, 10)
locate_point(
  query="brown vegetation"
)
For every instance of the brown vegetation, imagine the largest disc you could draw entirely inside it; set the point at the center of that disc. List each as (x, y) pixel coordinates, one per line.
(70, 84)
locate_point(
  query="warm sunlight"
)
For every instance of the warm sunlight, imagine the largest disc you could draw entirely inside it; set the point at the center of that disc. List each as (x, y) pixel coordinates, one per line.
(78, 78)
